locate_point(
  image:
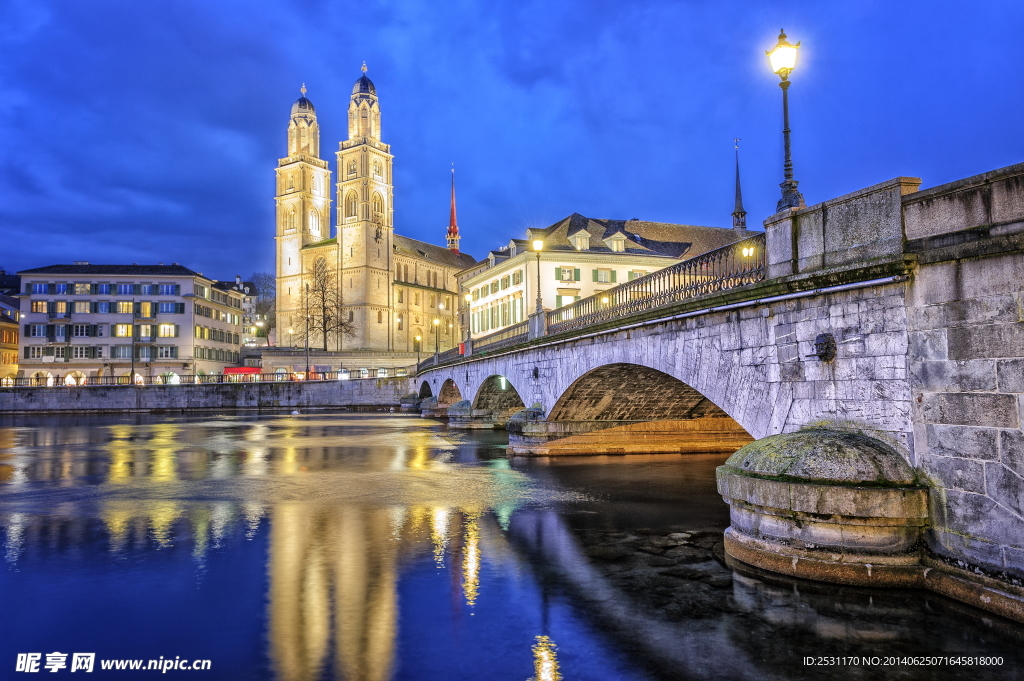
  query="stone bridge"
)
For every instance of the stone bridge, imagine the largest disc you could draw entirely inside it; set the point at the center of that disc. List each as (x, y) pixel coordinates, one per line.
(897, 310)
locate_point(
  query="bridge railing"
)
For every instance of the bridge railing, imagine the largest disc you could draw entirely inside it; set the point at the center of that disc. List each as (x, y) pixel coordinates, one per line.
(208, 379)
(728, 267)
(439, 358)
(512, 335)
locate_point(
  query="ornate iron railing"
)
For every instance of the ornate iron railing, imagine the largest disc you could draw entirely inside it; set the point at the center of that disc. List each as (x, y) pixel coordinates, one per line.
(507, 336)
(734, 265)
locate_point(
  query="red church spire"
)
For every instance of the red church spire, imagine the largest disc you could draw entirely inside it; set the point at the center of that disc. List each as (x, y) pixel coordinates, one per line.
(453, 225)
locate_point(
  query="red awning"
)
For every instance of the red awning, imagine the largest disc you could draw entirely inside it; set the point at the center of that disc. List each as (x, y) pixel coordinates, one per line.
(242, 370)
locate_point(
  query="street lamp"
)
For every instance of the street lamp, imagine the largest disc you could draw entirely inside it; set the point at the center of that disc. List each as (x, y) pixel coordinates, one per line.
(419, 340)
(437, 337)
(783, 61)
(469, 313)
(538, 246)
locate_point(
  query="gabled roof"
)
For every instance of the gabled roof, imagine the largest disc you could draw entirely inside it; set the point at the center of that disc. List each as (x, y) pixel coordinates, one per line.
(144, 270)
(439, 254)
(657, 239)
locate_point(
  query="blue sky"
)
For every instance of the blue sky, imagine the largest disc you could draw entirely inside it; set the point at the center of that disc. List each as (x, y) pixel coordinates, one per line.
(148, 131)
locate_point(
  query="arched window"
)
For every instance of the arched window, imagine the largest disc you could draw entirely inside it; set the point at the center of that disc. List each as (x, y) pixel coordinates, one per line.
(350, 204)
(405, 273)
(376, 168)
(314, 223)
(291, 219)
(377, 204)
(380, 317)
(315, 184)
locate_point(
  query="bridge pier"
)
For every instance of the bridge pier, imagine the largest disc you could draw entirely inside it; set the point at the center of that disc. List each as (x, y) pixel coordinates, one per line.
(463, 416)
(535, 437)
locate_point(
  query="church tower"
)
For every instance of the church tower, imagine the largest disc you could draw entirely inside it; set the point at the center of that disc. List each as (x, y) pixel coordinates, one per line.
(303, 210)
(365, 227)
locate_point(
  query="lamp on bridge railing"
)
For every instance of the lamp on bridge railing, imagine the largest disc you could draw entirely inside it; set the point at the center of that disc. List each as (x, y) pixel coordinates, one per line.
(538, 246)
(419, 345)
(468, 320)
(783, 60)
(747, 251)
(604, 300)
(437, 337)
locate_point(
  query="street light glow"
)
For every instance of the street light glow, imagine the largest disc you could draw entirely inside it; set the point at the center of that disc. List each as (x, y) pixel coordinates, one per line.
(538, 245)
(783, 56)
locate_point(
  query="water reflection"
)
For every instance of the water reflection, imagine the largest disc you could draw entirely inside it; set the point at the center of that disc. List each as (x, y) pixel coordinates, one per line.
(387, 549)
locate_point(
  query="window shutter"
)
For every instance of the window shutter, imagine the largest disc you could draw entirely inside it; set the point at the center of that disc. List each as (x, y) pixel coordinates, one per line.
(28, 289)
(28, 331)
(92, 331)
(558, 301)
(94, 289)
(137, 289)
(174, 350)
(51, 307)
(94, 307)
(558, 274)
(176, 330)
(50, 333)
(576, 275)
(51, 289)
(576, 298)
(26, 351)
(595, 274)
(177, 289)
(613, 276)
(179, 308)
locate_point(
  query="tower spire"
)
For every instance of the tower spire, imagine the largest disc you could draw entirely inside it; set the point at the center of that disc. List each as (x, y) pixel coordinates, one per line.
(453, 226)
(739, 216)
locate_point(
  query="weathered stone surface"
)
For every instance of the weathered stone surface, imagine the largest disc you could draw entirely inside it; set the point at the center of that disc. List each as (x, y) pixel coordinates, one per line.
(963, 441)
(987, 340)
(1010, 374)
(955, 473)
(924, 345)
(1011, 450)
(817, 454)
(1004, 487)
(971, 409)
(955, 376)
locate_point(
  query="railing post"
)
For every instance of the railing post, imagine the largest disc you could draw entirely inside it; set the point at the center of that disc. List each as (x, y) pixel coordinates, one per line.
(538, 325)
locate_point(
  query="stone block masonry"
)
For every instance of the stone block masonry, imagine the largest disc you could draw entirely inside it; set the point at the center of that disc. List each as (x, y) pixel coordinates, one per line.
(965, 328)
(380, 392)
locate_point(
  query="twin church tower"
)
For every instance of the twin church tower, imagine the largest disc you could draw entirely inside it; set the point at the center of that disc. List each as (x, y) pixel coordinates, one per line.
(389, 287)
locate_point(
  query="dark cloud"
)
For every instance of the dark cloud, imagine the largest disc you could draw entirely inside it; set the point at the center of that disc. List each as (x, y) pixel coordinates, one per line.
(148, 132)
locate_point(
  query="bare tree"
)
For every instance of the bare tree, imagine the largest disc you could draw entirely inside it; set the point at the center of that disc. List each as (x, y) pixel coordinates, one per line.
(321, 305)
(265, 307)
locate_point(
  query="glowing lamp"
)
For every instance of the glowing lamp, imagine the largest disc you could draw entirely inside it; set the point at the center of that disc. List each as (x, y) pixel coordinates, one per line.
(783, 56)
(538, 245)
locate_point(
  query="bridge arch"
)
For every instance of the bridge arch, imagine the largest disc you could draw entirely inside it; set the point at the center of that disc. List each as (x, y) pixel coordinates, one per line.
(425, 390)
(497, 394)
(450, 393)
(631, 392)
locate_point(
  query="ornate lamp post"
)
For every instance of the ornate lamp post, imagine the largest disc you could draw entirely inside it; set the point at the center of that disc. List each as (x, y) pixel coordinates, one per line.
(419, 345)
(469, 318)
(538, 246)
(783, 61)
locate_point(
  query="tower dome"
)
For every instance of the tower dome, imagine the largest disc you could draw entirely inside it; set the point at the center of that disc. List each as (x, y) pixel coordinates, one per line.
(364, 86)
(303, 105)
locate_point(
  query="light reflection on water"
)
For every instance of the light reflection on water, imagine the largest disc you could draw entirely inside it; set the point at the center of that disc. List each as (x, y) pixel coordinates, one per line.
(371, 548)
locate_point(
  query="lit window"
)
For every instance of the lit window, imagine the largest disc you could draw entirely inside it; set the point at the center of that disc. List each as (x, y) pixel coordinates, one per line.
(39, 306)
(567, 274)
(604, 276)
(81, 306)
(145, 330)
(167, 331)
(61, 307)
(123, 330)
(125, 307)
(145, 309)
(81, 289)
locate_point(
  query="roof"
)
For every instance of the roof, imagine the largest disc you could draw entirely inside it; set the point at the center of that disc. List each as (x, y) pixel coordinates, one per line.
(10, 282)
(658, 239)
(235, 286)
(439, 254)
(303, 105)
(10, 301)
(148, 270)
(364, 85)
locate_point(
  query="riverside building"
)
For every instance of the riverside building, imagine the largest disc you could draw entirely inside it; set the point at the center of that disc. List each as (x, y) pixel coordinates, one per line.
(580, 257)
(83, 322)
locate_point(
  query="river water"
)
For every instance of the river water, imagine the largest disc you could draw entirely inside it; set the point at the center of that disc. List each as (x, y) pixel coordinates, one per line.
(372, 547)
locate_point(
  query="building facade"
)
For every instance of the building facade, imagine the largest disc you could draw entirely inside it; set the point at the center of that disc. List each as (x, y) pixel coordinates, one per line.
(82, 322)
(580, 257)
(381, 291)
(9, 332)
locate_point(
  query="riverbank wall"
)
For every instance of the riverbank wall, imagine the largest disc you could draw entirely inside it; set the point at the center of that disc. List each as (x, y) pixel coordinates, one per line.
(369, 392)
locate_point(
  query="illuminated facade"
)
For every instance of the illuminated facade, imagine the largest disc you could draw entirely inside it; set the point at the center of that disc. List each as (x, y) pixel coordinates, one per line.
(389, 288)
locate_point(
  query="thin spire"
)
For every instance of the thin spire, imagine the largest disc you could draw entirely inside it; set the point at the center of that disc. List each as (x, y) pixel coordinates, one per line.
(453, 225)
(739, 216)
(364, 67)
(303, 89)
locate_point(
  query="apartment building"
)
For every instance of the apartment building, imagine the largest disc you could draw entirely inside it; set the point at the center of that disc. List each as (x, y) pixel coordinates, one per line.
(8, 344)
(81, 322)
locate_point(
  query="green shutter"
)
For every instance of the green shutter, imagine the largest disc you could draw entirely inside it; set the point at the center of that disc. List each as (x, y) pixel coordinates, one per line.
(576, 298)
(595, 274)
(28, 330)
(177, 289)
(613, 276)
(558, 274)
(576, 275)
(558, 301)
(92, 330)
(175, 330)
